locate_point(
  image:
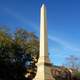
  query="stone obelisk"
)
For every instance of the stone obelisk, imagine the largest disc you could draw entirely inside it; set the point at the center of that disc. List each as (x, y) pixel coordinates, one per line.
(43, 65)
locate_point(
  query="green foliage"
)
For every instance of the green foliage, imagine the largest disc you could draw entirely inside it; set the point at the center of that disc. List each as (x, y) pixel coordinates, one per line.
(18, 54)
(77, 74)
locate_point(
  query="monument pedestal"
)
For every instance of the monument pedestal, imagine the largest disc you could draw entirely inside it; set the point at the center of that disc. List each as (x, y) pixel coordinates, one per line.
(44, 70)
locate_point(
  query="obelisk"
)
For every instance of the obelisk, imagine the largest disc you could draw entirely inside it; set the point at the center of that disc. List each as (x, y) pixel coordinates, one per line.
(43, 65)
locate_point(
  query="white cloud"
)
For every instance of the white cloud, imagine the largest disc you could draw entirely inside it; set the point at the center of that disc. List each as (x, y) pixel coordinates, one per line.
(65, 45)
(21, 18)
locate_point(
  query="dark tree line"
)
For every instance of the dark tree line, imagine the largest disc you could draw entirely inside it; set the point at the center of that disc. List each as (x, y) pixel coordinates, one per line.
(19, 51)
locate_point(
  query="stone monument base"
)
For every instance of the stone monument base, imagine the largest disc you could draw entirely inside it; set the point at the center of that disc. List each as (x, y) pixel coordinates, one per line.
(44, 71)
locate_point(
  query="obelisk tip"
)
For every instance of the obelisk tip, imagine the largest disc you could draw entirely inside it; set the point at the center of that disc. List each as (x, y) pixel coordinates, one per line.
(43, 5)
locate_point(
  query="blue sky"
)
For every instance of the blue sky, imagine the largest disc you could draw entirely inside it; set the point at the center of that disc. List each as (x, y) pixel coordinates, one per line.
(63, 23)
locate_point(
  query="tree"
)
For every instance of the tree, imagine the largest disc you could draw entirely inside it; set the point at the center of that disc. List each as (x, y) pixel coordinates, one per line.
(73, 62)
(18, 54)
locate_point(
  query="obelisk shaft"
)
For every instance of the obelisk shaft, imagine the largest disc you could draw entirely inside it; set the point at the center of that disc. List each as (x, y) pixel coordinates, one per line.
(43, 33)
(43, 65)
